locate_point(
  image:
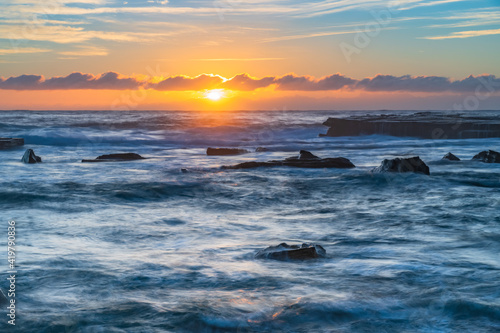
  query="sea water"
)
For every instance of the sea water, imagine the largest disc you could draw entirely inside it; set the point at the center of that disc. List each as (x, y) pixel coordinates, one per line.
(140, 246)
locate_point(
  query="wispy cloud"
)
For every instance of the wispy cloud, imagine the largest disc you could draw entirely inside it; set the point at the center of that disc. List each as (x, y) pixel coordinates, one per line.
(308, 9)
(417, 4)
(67, 34)
(483, 17)
(318, 34)
(239, 59)
(84, 51)
(465, 34)
(22, 50)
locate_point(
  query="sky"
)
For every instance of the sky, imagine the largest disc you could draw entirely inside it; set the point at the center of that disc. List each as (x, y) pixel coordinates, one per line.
(256, 54)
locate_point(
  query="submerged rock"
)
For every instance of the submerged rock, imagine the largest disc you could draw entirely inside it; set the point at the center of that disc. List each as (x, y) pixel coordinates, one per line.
(400, 165)
(304, 160)
(6, 143)
(225, 151)
(489, 156)
(450, 157)
(30, 157)
(117, 158)
(261, 149)
(284, 251)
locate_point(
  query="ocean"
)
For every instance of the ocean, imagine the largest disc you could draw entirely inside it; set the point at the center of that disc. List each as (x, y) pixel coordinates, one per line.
(140, 246)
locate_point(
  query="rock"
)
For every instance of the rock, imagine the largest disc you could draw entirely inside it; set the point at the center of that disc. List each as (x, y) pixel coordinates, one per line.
(261, 149)
(30, 157)
(426, 125)
(304, 160)
(450, 157)
(304, 155)
(412, 164)
(117, 158)
(225, 151)
(6, 143)
(184, 170)
(489, 156)
(292, 252)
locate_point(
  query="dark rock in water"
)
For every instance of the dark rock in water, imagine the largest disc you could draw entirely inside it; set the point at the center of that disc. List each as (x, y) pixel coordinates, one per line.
(225, 151)
(304, 155)
(30, 157)
(6, 143)
(450, 157)
(304, 160)
(489, 156)
(412, 164)
(261, 149)
(292, 252)
(184, 170)
(117, 158)
(426, 125)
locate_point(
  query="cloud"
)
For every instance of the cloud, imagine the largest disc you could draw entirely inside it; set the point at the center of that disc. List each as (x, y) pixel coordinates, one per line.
(482, 17)
(466, 34)
(427, 4)
(84, 51)
(431, 84)
(66, 35)
(306, 83)
(239, 59)
(186, 83)
(404, 83)
(109, 80)
(23, 82)
(245, 82)
(218, 7)
(22, 50)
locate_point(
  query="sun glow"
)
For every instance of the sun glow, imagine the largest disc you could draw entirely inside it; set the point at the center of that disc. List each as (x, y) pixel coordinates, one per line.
(214, 95)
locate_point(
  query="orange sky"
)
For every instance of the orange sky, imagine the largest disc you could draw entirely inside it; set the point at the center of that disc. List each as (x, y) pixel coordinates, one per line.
(423, 50)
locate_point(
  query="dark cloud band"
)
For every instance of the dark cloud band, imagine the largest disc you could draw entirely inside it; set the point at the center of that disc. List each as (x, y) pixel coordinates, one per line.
(244, 82)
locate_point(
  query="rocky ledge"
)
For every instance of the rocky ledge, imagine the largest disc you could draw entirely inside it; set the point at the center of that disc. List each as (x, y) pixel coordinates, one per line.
(426, 125)
(285, 252)
(6, 143)
(225, 151)
(304, 160)
(117, 158)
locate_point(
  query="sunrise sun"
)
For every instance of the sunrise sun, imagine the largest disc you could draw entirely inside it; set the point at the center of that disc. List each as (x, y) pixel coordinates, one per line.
(214, 95)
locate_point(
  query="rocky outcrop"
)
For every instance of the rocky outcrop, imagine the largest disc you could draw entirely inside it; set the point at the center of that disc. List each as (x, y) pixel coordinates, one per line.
(450, 157)
(30, 157)
(426, 125)
(225, 151)
(304, 160)
(401, 165)
(117, 158)
(489, 156)
(6, 143)
(286, 252)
